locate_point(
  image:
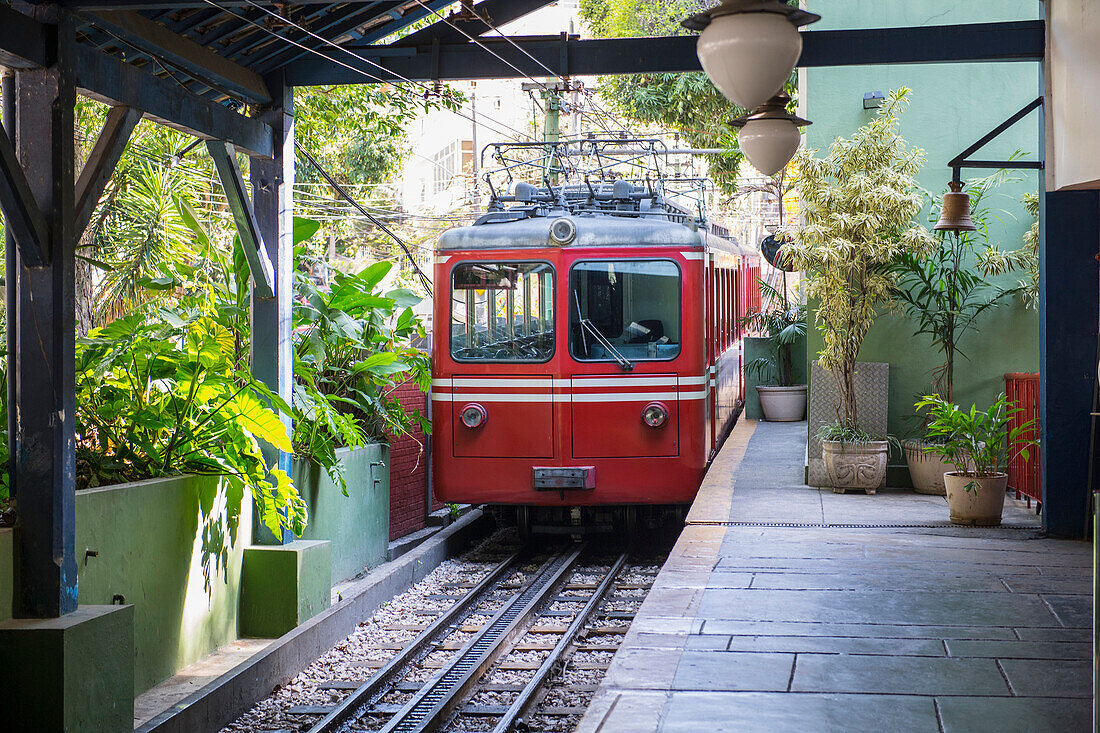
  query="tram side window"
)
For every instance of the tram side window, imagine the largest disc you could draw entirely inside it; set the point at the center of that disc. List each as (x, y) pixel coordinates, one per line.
(502, 311)
(624, 310)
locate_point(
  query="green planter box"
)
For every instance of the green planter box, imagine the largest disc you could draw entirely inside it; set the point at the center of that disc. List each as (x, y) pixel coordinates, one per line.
(358, 526)
(164, 545)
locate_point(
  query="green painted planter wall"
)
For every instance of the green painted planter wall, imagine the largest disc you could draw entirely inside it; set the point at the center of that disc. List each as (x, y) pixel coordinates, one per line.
(951, 106)
(164, 545)
(156, 545)
(757, 347)
(357, 525)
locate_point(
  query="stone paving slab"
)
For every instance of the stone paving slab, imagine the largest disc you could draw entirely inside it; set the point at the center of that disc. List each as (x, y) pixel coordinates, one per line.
(902, 623)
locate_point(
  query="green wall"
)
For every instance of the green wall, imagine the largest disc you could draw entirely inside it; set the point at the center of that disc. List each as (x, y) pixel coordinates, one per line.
(951, 106)
(357, 525)
(165, 546)
(757, 347)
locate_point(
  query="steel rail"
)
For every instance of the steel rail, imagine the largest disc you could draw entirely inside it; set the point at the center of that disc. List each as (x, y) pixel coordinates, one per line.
(429, 707)
(523, 701)
(362, 694)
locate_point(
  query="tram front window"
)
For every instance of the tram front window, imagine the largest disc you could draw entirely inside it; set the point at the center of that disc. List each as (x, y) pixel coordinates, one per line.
(502, 311)
(624, 311)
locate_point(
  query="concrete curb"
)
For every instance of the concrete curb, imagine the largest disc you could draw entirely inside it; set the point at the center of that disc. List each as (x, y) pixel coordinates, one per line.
(226, 698)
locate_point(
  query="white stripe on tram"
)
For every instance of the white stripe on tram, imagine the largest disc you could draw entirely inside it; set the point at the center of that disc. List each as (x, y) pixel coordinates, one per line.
(694, 255)
(543, 397)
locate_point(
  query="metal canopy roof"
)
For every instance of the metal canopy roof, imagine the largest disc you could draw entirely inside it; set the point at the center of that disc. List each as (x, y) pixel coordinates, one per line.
(195, 64)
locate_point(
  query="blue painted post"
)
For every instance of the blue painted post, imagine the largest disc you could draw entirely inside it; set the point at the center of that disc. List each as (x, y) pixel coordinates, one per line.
(1069, 308)
(43, 443)
(273, 202)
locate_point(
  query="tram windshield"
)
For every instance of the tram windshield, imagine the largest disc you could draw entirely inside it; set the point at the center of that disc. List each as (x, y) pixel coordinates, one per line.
(624, 311)
(502, 311)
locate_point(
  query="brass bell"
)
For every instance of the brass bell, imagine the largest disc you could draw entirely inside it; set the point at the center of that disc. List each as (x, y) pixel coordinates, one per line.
(955, 212)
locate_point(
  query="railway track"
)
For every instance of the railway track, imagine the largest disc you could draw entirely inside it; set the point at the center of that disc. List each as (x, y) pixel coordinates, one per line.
(499, 657)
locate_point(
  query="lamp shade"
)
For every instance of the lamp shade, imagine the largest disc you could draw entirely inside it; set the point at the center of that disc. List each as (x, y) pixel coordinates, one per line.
(748, 48)
(769, 136)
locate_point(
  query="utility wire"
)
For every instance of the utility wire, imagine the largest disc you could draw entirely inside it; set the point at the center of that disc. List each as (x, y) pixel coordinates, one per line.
(424, 279)
(349, 52)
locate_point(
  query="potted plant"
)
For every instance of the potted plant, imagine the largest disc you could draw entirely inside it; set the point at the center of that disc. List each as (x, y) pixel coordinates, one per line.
(945, 297)
(978, 444)
(784, 323)
(858, 207)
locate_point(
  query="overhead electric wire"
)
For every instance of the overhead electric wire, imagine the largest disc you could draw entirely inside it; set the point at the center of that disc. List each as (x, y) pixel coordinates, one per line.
(424, 279)
(349, 52)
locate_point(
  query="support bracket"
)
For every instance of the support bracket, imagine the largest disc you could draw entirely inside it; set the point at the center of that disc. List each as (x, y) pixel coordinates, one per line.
(101, 163)
(961, 160)
(21, 211)
(248, 229)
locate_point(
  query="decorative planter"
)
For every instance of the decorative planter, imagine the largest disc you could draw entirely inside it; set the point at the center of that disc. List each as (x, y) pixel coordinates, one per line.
(981, 507)
(926, 469)
(851, 465)
(783, 404)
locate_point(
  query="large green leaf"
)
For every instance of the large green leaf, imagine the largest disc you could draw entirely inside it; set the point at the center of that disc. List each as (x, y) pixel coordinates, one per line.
(261, 421)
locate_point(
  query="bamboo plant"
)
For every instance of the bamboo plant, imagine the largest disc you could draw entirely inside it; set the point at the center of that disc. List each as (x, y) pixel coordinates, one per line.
(859, 203)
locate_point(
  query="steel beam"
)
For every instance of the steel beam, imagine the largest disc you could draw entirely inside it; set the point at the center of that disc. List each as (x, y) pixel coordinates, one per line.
(24, 42)
(43, 445)
(197, 61)
(21, 212)
(1069, 233)
(1011, 41)
(497, 12)
(115, 82)
(248, 230)
(101, 163)
(272, 323)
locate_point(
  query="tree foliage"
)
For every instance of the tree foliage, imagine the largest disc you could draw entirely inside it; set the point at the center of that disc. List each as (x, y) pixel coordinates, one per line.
(858, 205)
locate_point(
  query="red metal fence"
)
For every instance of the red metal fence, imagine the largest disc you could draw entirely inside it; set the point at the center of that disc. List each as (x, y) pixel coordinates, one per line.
(1022, 391)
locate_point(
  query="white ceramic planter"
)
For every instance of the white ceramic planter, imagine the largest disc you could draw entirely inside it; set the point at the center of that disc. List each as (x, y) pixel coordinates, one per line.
(860, 466)
(783, 404)
(981, 507)
(926, 469)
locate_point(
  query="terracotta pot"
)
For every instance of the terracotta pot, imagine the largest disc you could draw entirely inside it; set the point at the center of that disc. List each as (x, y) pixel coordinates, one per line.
(926, 469)
(783, 404)
(982, 506)
(851, 465)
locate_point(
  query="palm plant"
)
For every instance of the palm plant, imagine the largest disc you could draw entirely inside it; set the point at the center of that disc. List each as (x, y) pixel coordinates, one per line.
(943, 294)
(784, 324)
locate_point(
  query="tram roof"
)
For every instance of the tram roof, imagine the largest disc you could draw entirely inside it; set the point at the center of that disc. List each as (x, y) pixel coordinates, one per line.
(598, 230)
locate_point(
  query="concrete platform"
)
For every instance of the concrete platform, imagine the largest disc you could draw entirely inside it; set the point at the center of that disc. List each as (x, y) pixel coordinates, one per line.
(765, 618)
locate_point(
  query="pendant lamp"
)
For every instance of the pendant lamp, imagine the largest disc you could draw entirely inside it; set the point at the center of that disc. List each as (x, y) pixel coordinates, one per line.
(769, 136)
(748, 48)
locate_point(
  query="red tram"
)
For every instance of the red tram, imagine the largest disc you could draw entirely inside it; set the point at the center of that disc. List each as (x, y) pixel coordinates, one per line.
(587, 349)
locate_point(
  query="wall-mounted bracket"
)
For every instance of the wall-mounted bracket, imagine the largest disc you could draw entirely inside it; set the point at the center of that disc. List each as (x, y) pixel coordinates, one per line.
(961, 160)
(101, 163)
(248, 230)
(21, 212)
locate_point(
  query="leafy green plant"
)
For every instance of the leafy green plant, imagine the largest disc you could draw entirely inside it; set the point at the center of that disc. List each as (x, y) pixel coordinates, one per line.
(944, 293)
(844, 433)
(784, 323)
(977, 443)
(352, 347)
(160, 395)
(858, 204)
(995, 261)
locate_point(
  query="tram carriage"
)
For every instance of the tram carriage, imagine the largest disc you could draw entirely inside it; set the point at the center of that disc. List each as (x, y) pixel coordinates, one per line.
(593, 355)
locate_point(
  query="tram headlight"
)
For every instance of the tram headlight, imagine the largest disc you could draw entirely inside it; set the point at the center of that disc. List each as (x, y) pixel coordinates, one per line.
(474, 415)
(563, 230)
(655, 415)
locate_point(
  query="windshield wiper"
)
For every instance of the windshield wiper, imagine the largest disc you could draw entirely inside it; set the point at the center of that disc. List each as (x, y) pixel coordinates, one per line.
(586, 324)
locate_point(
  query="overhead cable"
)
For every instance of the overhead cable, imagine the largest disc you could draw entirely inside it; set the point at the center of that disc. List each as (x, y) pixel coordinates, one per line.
(424, 279)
